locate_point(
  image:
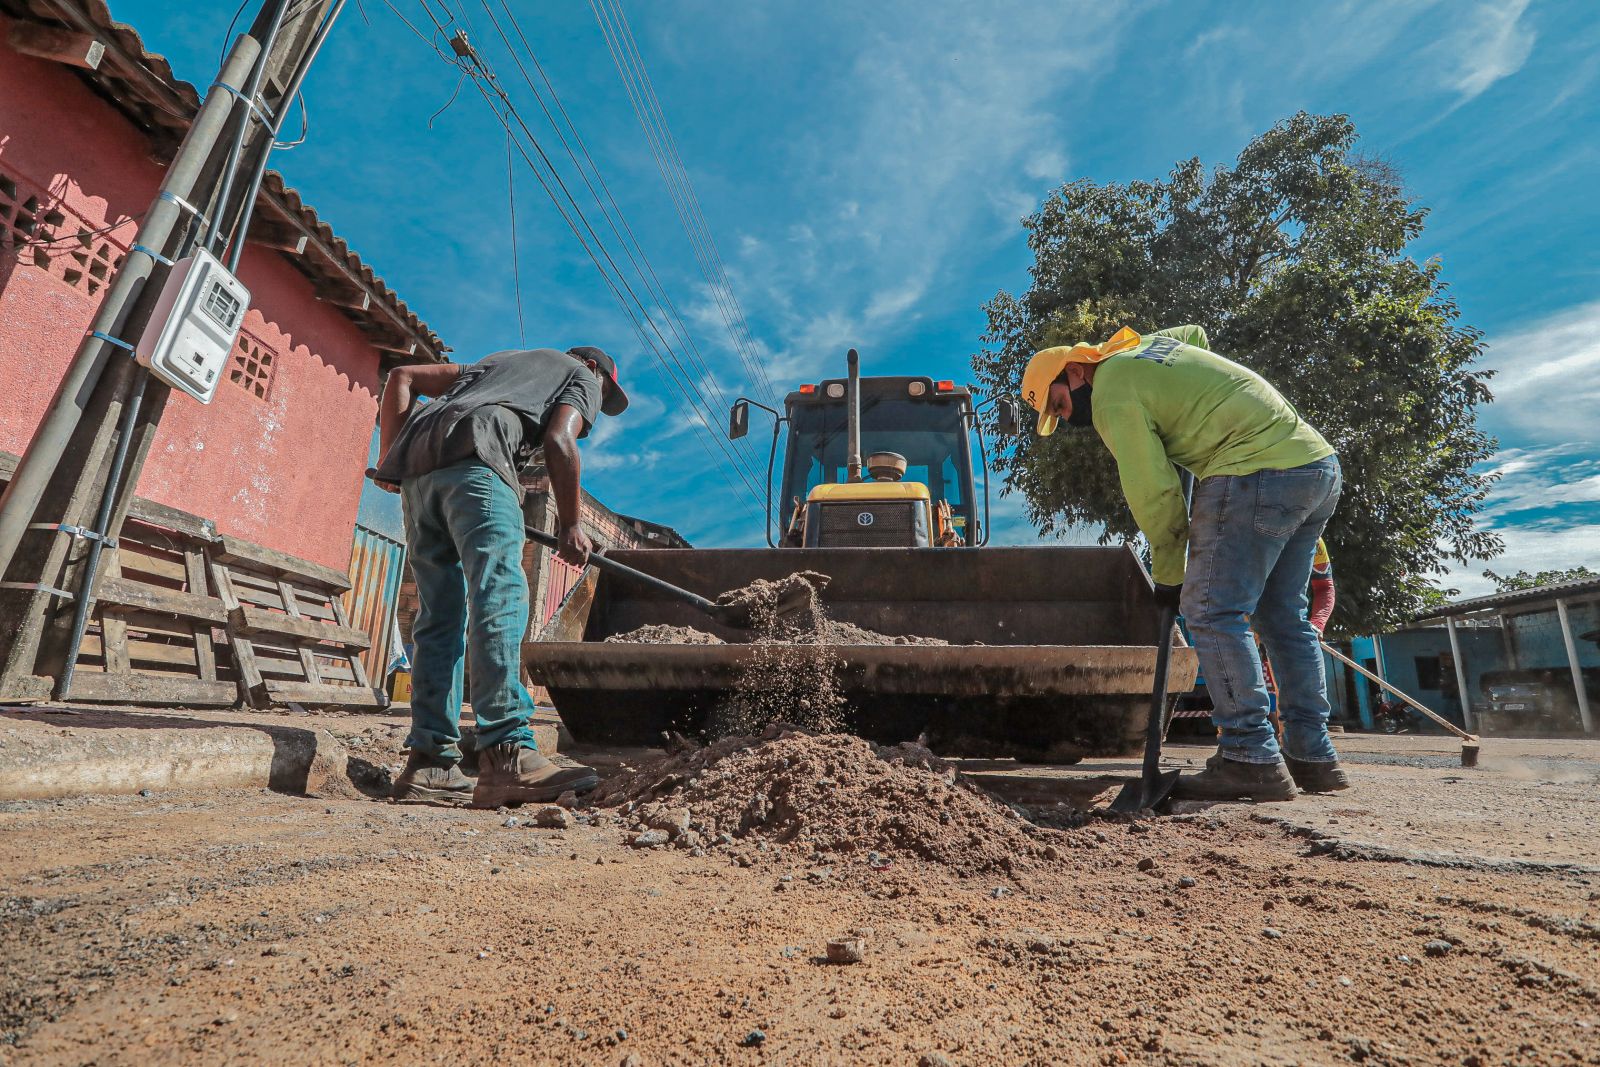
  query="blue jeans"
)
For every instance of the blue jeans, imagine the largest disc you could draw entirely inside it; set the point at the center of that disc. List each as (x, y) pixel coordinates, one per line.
(1251, 541)
(464, 532)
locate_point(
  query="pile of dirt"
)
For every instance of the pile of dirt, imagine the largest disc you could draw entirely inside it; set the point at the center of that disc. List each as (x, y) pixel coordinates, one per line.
(828, 795)
(662, 634)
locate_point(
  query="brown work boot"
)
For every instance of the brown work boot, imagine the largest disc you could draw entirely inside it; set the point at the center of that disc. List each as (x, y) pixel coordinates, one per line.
(510, 774)
(1317, 777)
(1226, 779)
(431, 780)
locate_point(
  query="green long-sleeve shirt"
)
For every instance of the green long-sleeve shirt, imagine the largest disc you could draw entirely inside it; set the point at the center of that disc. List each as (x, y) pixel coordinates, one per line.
(1170, 400)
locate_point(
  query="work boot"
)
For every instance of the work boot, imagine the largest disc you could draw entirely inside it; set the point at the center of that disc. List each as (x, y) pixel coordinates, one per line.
(510, 774)
(431, 780)
(1226, 779)
(1314, 777)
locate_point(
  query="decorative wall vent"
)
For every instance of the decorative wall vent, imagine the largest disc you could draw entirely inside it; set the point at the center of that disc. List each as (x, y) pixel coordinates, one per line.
(253, 366)
(56, 239)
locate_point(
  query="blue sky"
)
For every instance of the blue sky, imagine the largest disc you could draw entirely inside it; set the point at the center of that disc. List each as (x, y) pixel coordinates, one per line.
(862, 168)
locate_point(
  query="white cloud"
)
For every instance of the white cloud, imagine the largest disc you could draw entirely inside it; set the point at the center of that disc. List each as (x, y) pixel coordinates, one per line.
(1488, 42)
(1047, 165)
(1547, 389)
(1546, 507)
(938, 106)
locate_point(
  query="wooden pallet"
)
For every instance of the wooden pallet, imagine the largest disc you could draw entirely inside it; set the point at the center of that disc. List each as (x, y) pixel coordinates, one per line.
(287, 628)
(157, 626)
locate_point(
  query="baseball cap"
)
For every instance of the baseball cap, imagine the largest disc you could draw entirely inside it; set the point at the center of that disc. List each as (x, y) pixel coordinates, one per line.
(617, 402)
(1046, 366)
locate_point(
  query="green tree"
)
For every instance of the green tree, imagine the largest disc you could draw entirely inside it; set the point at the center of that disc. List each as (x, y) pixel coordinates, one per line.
(1294, 260)
(1515, 583)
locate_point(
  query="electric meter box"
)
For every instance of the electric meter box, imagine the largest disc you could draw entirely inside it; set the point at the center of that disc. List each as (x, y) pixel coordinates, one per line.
(194, 324)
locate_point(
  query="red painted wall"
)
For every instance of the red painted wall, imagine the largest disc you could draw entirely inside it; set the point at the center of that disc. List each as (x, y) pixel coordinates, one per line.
(283, 469)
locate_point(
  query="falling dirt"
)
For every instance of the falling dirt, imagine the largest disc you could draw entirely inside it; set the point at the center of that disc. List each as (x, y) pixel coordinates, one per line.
(792, 675)
(831, 796)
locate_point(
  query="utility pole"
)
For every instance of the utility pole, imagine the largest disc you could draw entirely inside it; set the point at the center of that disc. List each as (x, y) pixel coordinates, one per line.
(106, 410)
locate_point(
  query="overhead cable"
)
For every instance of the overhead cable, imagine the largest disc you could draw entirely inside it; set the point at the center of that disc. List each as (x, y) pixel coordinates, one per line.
(652, 119)
(505, 110)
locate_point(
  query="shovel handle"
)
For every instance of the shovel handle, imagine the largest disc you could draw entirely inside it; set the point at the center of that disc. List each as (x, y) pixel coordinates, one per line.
(1156, 726)
(625, 571)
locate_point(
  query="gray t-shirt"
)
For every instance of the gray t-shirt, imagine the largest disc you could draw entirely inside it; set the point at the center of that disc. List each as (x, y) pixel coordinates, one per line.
(495, 411)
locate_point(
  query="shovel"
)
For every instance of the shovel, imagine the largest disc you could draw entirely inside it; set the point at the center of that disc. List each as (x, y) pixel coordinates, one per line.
(1154, 787)
(794, 595)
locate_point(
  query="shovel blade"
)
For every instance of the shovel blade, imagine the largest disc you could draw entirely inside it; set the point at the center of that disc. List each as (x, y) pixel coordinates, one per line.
(1148, 793)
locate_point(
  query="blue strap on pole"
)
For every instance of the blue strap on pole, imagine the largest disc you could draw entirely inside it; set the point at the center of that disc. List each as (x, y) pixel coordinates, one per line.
(108, 339)
(173, 198)
(153, 254)
(255, 109)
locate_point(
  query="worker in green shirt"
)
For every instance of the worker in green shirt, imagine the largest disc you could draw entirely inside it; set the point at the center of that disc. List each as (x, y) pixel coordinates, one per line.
(1267, 483)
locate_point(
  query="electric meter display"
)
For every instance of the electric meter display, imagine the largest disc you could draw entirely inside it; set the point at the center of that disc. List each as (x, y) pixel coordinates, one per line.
(194, 325)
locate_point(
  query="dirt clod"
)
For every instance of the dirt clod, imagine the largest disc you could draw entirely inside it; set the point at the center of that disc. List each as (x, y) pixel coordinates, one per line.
(846, 950)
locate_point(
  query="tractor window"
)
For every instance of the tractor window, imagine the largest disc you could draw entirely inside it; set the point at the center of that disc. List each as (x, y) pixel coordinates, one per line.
(931, 435)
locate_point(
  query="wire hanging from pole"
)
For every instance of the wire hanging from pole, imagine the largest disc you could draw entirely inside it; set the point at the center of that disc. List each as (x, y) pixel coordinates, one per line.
(516, 266)
(649, 331)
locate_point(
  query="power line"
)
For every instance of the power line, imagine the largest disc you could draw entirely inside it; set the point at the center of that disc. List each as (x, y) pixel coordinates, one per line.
(663, 146)
(652, 119)
(485, 81)
(684, 378)
(630, 242)
(516, 265)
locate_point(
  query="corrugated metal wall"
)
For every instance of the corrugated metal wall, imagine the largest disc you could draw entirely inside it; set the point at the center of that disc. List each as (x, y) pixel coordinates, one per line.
(377, 569)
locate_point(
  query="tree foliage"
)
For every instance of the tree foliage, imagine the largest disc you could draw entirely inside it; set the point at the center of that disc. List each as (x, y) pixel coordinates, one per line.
(1515, 583)
(1294, 260)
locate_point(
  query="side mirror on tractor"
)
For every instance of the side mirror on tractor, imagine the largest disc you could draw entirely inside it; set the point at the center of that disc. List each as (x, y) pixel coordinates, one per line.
(738, 420)
(1008, 419)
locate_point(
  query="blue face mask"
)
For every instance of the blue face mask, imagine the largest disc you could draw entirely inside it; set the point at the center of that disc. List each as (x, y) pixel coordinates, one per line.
(1082, 406)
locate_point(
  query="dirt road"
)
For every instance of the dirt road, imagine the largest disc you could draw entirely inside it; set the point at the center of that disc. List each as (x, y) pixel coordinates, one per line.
(1430, 915)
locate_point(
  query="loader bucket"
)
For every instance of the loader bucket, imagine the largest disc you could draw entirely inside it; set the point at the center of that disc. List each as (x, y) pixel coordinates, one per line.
(1051, 656)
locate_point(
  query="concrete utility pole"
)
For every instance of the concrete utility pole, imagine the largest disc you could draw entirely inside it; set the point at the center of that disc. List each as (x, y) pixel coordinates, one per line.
(106, 397)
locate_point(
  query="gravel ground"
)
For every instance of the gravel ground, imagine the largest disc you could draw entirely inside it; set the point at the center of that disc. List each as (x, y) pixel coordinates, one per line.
(1430, 915)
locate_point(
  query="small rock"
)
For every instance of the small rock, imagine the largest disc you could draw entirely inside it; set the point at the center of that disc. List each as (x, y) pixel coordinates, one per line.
(754, 1039)
(650, 839)
(1147, 864)
(846, 950)
(569, 799)
(145, 793)
(1346, 981)
(512, 821)
(1438, 948)
(1186, 882)
(999, 891)
(632, 1060)
(1272, 933)
(934, 1059)
(551, 817)
(675, 821)
(274, 949)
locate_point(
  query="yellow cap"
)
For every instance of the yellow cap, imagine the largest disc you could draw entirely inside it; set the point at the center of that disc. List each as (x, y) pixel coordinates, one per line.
(1046, 366)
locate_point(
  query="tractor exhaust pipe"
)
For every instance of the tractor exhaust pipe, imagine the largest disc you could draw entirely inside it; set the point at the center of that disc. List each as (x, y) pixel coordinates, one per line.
(852, 407)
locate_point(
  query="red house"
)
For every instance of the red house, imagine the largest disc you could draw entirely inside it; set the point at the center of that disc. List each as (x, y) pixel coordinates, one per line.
(277, 457)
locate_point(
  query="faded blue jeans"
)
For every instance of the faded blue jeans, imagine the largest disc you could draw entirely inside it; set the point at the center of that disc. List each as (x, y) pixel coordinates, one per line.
(464, 532)
(1251, 541)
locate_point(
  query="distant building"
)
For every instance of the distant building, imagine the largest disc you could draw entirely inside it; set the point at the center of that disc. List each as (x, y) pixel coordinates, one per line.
(1524, 662)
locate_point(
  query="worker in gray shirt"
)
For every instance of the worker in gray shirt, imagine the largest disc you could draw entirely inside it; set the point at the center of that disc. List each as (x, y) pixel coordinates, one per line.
(454, 463)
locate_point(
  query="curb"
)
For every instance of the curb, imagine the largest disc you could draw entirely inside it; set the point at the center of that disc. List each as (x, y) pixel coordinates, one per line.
(99, 755)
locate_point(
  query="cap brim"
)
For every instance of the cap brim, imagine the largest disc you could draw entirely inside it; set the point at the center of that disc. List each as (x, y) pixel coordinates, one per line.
(1047, 423)
(616, 402)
